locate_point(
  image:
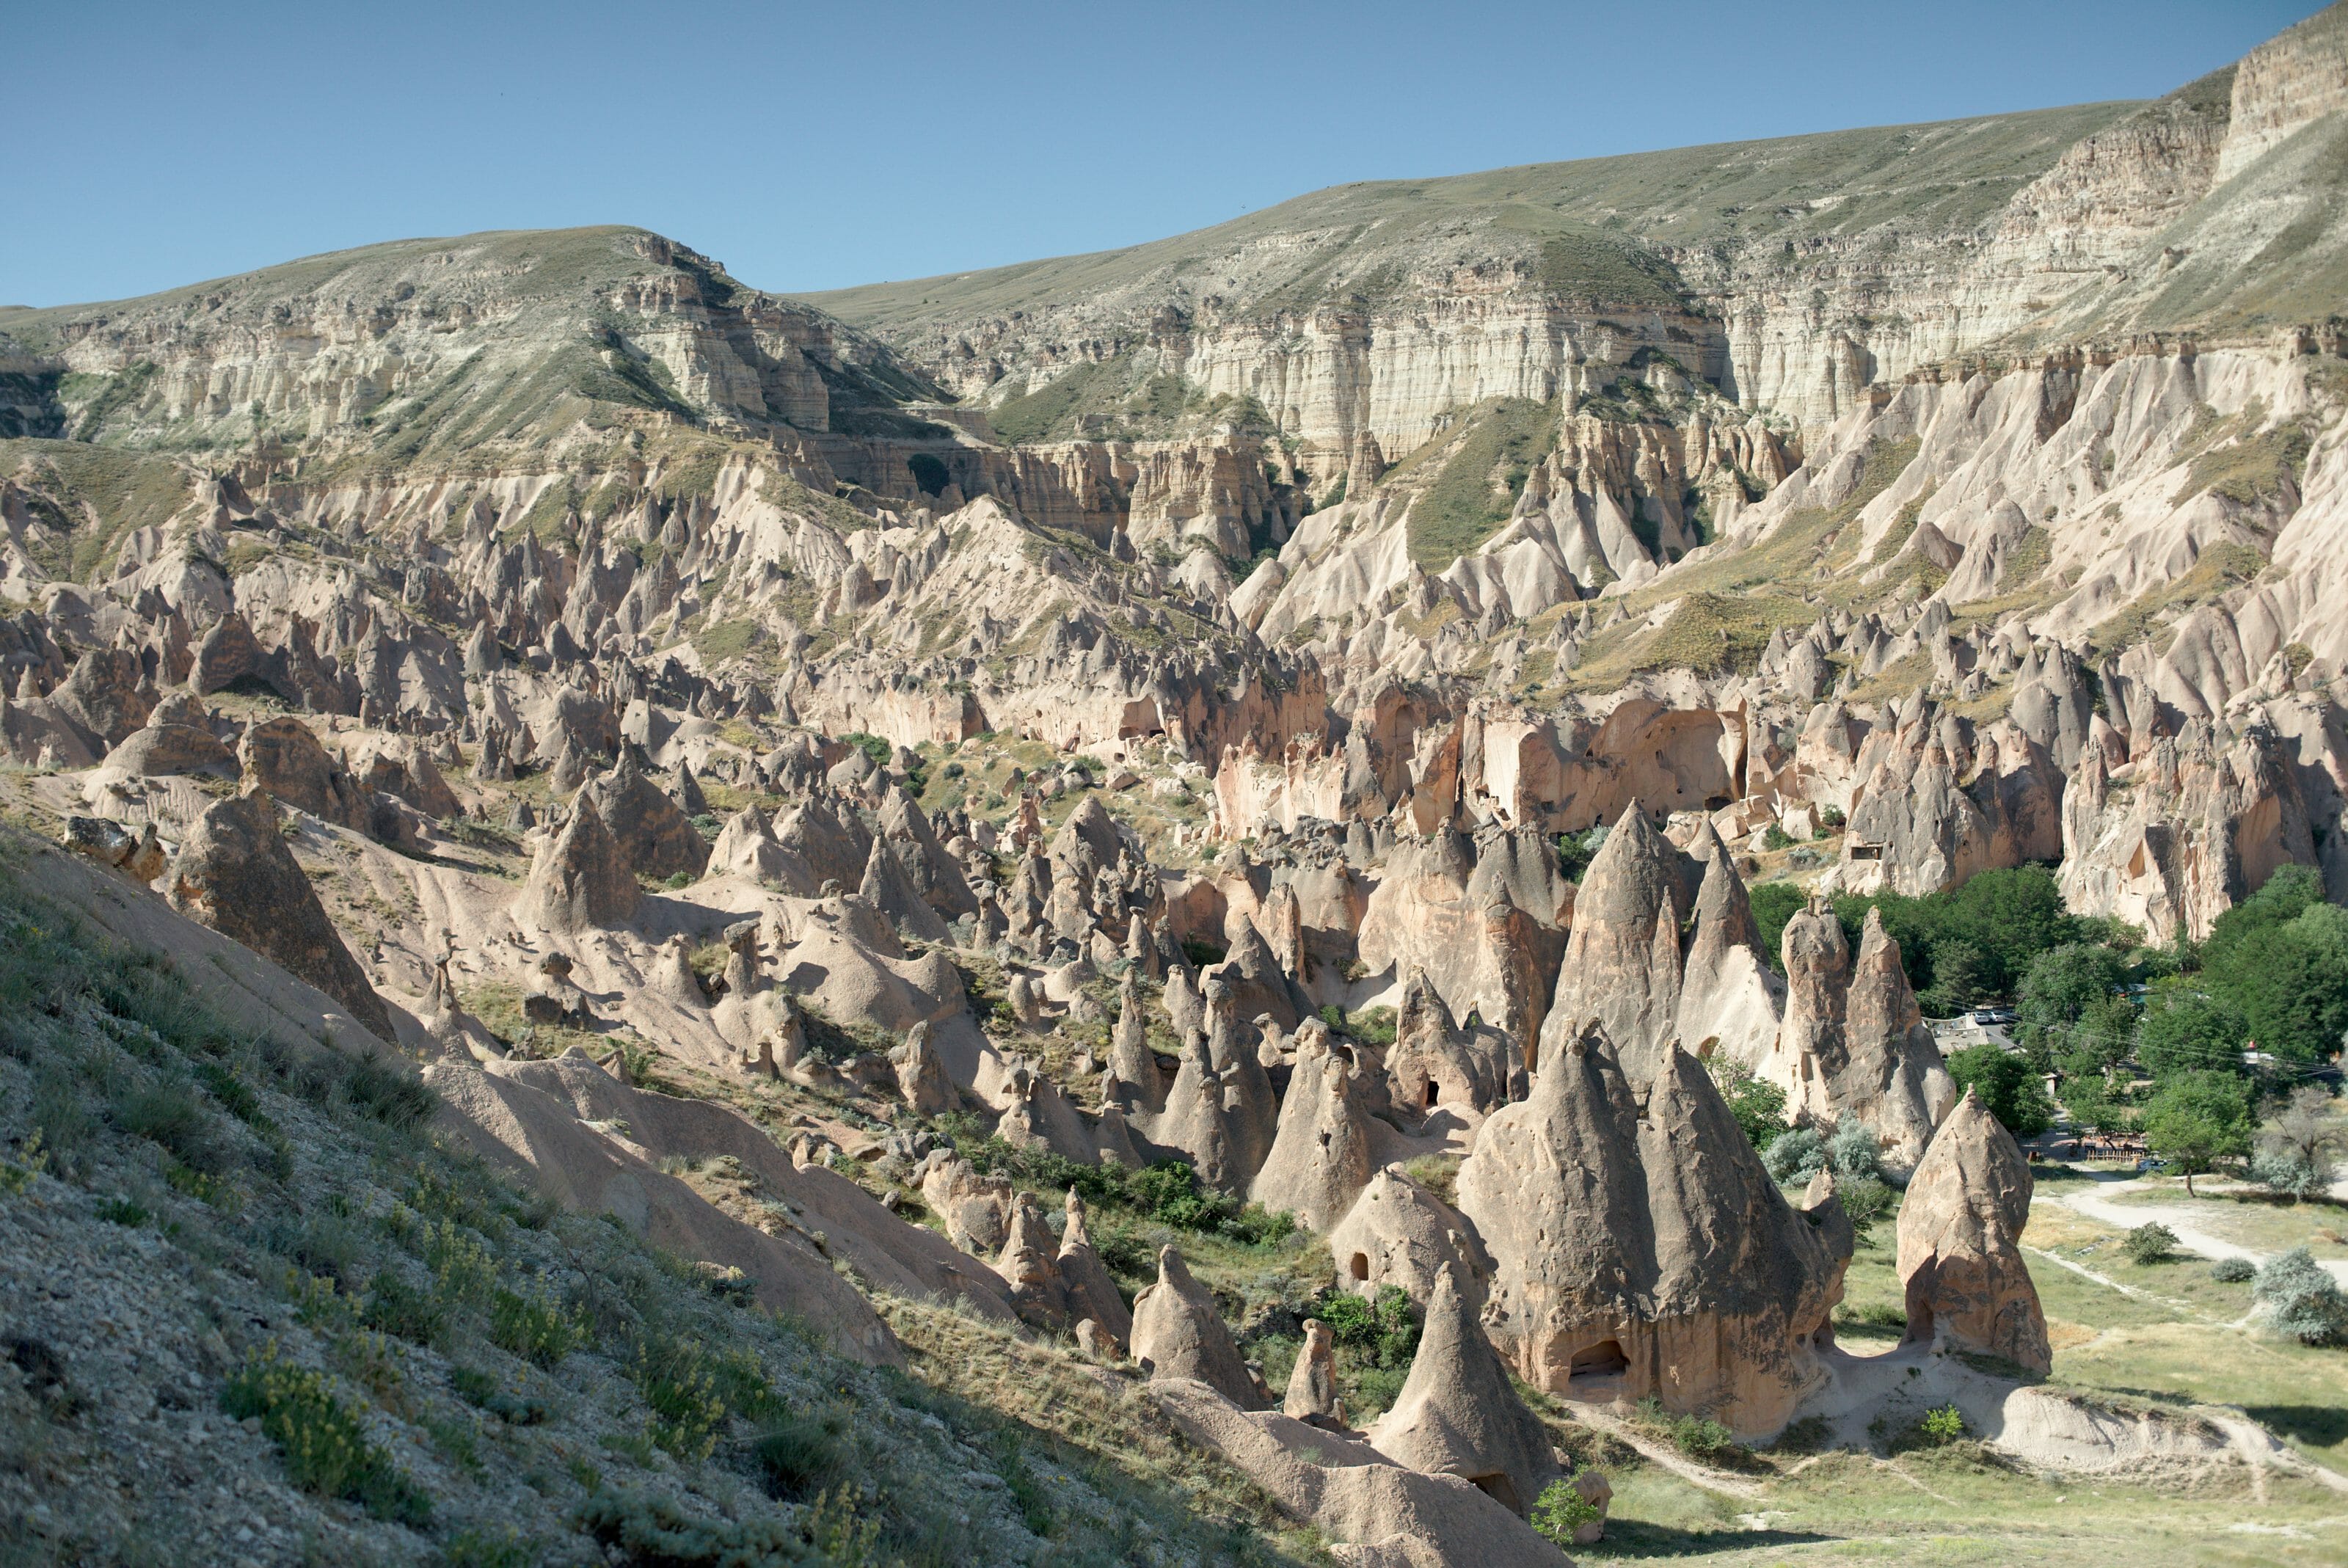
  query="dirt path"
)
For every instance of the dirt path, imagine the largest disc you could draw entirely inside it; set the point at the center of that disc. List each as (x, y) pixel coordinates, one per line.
(1663, 1454)
(2096, 1204)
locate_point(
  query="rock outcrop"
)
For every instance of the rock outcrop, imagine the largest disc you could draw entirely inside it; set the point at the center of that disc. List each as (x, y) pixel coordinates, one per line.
(1457, 1416)
(1855, 1047)
(234, 873)
(1645, 1254)
(1968, 1285)
(582, 879)
(1177, 1333)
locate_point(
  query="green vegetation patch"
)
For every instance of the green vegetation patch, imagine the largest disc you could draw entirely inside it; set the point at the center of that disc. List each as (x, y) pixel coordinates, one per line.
(1477, 486)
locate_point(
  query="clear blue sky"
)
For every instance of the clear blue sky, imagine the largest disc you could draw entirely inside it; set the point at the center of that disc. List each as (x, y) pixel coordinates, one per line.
(812, 147)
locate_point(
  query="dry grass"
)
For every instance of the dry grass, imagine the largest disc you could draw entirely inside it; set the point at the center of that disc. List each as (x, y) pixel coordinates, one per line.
(1096, 1421)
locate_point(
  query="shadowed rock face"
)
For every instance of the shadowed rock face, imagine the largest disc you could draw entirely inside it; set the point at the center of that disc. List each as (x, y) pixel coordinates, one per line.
(581, 879)
(1650, 1254)
(235, 874)
(1968, 1285)
(1457, 1416)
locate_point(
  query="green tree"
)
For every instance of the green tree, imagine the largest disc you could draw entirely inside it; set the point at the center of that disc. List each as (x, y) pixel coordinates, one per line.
(1962, 976)
(2190, 1031)
(2290, 978)
(2008, 1085)
(2197, 1118)
(2062, 986)
(1773, 904)
(1758, 1105)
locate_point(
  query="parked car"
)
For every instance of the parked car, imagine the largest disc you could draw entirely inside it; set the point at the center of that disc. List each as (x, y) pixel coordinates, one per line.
(2149, 1164)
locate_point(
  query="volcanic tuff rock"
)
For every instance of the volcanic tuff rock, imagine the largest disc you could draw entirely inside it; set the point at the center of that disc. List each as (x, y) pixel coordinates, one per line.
(1854, 1046)
(1177, 1333)
(1457, 1416)
(580, 878)
(1641, 1254)
(234, 873)
(1969, 1286)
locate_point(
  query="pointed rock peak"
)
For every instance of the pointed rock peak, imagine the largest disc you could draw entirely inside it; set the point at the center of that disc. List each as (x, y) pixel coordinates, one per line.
(1968, 1285)
(1423, 1011)
(1076, 1234)
(582, 879)
(1178, 1332)
(1457, 1414)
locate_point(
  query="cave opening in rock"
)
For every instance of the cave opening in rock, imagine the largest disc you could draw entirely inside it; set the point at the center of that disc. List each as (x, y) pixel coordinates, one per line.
(1604, 1360)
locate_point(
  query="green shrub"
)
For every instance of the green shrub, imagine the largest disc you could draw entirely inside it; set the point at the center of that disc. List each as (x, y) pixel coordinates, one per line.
(2301, 1299)
(1866, 1201)
(1794, 1156)
(2010, 1088)
(2150, 1244)
(1698, 1437)
(534, 1325)
(1855, 1153)
(680, 1388)
(394, 1307)
(484, 1547)
(326, 1450)
(2233, 1271)
(123, 1211)
(1942, 1425)
(1560, 1510)
(803, 1453)
(485, 1391)
(653, 1533)
(395, 1098)
(1774, 837)
(169, 1114)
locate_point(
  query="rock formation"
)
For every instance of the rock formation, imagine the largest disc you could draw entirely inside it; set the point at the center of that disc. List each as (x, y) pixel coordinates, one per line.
(1968, 1285)
(1457, 1416)
(1179, 1334)
(580, 880)
(234, 873)
(1645, 1254)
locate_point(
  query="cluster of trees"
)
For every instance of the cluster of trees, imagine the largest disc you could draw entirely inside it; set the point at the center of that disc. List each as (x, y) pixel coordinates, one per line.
(2090, 998)
(1959, 948)
(2274, 976)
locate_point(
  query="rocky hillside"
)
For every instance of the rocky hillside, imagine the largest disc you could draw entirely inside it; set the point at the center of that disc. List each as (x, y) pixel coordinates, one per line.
(1790, 274)
(986, 911)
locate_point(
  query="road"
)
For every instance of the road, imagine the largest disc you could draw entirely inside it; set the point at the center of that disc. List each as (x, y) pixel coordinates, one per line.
(2095, 1203)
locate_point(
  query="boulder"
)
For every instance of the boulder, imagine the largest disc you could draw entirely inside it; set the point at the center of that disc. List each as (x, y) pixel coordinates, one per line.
(1029, 1265)
(1968, 1285)
(922, 1081)
(1623, 961)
